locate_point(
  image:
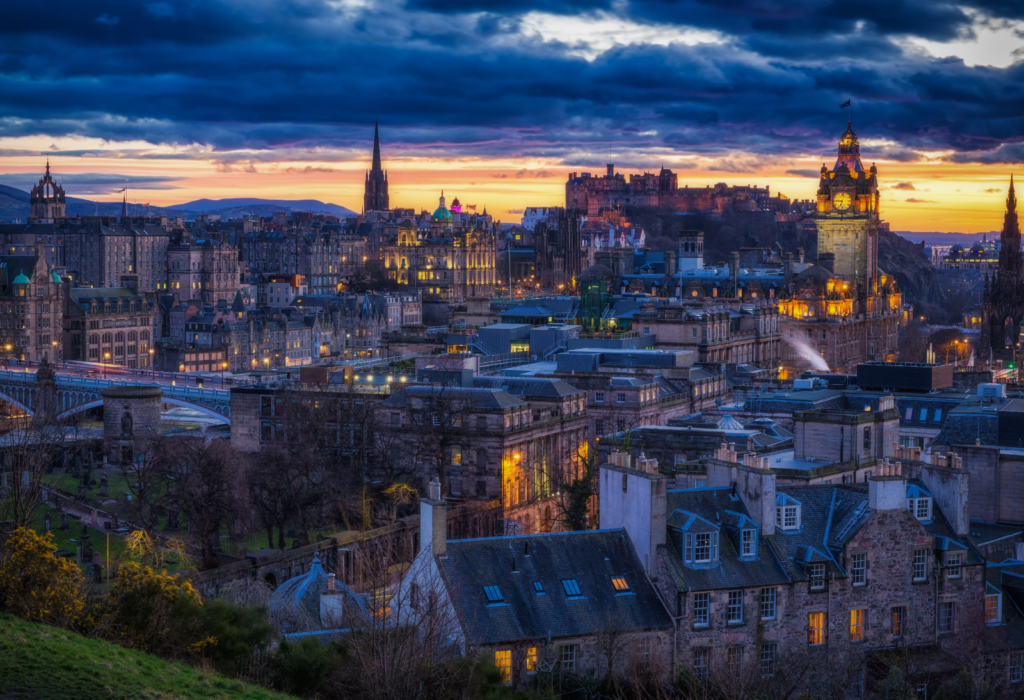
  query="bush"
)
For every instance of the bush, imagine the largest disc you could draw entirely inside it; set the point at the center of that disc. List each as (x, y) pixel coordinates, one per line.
(164, 615)
(37, 585)
(302, 668)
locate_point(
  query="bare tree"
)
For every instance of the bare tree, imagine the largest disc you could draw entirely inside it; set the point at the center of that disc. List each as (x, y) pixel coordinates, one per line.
(27, 452)
(210, 491)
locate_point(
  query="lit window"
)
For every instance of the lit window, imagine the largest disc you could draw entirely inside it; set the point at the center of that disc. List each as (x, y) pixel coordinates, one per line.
(946, 615)
(572, 589)
(503, 662)
(768, 603)
(700, 663)
(856, 625)
(816, 628)
(910, 414)
(531, 660)
(493, 594)
(747, 544)
(620, 584)
(735, 611)
(816, 573)
(898, 617)
(953, 562)
(859, 569)
(938, 415)
(992, 608)
(924, 415)
(767, 660)
(701, 604)
(920, 564)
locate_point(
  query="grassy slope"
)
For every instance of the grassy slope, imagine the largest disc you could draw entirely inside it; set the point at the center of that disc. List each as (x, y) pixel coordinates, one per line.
(44, 662)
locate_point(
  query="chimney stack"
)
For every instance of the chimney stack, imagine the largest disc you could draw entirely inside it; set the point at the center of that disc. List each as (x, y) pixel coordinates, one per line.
(433, 520)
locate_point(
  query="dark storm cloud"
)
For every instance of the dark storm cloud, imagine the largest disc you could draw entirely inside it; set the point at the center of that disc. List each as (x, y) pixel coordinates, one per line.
(241, 83)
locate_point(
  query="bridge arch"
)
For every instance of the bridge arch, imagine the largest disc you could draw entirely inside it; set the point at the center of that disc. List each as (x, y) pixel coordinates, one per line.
(98, 403)
(16, 403)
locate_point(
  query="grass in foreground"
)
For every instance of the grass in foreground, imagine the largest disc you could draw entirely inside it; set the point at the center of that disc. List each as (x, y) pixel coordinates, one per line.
(42, 662)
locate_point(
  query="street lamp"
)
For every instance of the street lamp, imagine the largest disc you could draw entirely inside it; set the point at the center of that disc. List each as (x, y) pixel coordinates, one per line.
(223, 366)
(106, 356)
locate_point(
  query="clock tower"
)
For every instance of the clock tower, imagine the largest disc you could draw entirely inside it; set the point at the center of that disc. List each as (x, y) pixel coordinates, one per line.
(847, 215)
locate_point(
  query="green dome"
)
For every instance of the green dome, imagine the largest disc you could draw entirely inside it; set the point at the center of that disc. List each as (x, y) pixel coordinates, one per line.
(441, 214)
(21, 278)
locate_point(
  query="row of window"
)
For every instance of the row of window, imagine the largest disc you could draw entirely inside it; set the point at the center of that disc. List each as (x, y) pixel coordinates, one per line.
(570, 586)
(565, 655)
(94, 339)
(734, 661)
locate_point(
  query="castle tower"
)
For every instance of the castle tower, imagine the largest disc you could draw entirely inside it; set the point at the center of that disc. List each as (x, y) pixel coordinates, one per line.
(47, 200)
(375, 193)
(847, 215)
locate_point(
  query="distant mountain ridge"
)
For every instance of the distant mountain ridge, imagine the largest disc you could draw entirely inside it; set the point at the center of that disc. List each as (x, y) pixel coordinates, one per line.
(14, 204)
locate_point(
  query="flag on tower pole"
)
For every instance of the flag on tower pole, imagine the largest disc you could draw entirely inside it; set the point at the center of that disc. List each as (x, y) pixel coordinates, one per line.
(845, 104)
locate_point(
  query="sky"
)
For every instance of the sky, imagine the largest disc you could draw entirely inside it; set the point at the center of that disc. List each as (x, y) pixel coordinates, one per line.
(496, 101)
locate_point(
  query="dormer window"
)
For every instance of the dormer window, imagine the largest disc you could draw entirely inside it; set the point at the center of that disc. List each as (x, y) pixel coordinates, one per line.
(701, 547)
(748, 542)
(993, 607)
(816, 574)
(919, 504)
(787, 513)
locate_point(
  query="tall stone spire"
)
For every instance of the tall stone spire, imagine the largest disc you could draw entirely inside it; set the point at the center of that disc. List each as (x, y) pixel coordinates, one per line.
(1009, 250)
(376, 147)
(375, 194)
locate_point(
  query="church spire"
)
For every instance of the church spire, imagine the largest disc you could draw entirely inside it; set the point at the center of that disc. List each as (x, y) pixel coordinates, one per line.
(124, 203)
(376, 148)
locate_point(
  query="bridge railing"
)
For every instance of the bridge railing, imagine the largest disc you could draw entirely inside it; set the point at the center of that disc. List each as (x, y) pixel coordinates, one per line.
(90, 382)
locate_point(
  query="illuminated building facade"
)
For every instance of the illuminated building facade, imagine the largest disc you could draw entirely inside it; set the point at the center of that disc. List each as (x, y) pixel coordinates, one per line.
(454, 262)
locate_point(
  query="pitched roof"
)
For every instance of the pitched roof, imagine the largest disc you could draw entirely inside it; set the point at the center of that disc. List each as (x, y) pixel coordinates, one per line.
(717, 509)
(591, 558)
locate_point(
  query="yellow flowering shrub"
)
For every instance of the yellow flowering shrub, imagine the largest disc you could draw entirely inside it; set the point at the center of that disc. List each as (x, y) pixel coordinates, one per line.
(37, 585)
(151, 610)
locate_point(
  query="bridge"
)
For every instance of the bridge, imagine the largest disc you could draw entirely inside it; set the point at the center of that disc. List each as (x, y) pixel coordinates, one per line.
(75, 394)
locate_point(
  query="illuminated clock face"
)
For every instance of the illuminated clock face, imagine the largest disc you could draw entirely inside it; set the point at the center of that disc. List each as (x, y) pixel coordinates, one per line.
(842, 201)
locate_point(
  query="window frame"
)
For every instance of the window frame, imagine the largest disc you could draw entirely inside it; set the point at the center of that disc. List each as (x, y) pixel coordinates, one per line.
(816, 576)
(815, 628)
(503, 662)
(919, 565)
(531, 660)
(997, 609)
(734, 608)
(859, 569)
(954, 569)
(701, 663)
(898, 621)
(621, 585)
(769, 602)
(748, 542)
(572, 588)
(768, 660)
(857, 620)
(947, 616)
(567, 657)
(701, 609)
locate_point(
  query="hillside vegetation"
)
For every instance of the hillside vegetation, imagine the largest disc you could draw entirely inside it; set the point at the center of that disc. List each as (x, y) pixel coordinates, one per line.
(41, 662)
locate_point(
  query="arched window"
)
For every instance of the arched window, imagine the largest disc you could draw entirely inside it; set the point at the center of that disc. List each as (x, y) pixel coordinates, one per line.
(132, 336)
(144, 335)
(119, 338)
(107, 338)
(94, 339)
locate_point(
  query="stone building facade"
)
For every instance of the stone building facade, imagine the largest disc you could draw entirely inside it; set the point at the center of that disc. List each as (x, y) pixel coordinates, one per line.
(31, 297)
(204, 270)
(114, 325)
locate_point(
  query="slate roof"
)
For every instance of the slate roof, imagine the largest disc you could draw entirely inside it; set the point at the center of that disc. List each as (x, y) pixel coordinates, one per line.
(722, 509)
(479, 399)
(590, 557)
(529, 387)
(832, 514)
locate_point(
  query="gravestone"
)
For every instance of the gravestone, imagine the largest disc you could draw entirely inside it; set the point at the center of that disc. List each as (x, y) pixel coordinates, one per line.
(48, 523)
(172, 520)
(78, 556)
(81, 492)
(76, 466)
(117, 521)
(97, 574)
(95, 519)
(64, 521)
(103, 486)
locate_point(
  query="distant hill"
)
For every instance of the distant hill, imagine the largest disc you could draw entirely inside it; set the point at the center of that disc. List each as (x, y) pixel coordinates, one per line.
(209, 206)
(948, 238)
(14, 204)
